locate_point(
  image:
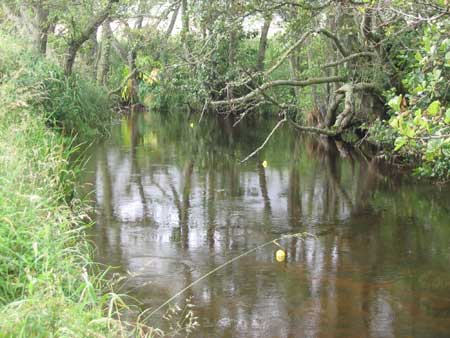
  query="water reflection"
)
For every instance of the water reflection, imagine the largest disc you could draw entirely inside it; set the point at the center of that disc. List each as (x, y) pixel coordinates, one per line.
(173, 203)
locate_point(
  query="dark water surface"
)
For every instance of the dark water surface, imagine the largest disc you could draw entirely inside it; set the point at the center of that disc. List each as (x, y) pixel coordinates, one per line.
(173, 202)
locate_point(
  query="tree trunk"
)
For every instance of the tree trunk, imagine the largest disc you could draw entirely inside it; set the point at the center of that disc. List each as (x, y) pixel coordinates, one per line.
(133, 85)
(184, 20)
(76, 43)
(263, 44)
(105, 52)
(314, 98)
(233, 34)
(131, 58)
(172, 22)
(94, 53)
(294, 67)
(70, 58)
(232, 47)
(41, 26)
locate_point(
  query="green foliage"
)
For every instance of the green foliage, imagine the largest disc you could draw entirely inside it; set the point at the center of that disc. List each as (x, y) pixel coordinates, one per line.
(420, 118)
(47, 285)
(381, 134)
(74, 104)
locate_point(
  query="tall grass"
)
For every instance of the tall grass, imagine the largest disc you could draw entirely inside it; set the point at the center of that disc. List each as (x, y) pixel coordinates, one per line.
(49, 286)
(74, 104)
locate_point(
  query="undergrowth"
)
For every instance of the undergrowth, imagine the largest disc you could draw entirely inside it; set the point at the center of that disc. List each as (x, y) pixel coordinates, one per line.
(49, 286)
(73, 104)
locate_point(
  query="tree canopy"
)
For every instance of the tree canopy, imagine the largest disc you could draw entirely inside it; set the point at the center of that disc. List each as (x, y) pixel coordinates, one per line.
(380, 67)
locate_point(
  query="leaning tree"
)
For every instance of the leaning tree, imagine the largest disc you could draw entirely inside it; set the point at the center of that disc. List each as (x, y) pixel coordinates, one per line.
(359, 41)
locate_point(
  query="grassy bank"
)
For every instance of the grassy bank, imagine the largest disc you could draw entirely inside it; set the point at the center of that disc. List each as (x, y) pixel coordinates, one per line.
(48, 284)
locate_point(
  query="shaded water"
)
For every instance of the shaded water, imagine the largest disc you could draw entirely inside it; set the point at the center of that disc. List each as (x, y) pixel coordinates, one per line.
(172, 203)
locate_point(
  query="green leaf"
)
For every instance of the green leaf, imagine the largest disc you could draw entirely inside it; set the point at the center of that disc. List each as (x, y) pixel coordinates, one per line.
(426, 44)
(433, 148)
(447, 116)
(434, 108)
(395, 122)
(446, 148)
(421, 122)
(418, 56)
(399, 143)
(437, 73)
(395, 102)
(408, 131)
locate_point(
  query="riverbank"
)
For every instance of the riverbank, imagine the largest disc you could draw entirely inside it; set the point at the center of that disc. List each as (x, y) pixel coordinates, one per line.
(48, 282)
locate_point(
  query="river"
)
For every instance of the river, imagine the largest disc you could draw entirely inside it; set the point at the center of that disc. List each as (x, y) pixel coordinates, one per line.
(172, 202)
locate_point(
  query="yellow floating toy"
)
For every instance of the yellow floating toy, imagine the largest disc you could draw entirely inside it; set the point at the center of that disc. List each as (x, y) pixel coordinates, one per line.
(265, 164)
(280, 255)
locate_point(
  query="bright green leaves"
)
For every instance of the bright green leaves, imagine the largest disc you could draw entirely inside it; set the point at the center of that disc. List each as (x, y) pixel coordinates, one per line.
(395, 103)
(446, 147)
(447, 116)
(433, 149)
(434, 108)
(418, 56)
(400, 142)
(420, 117)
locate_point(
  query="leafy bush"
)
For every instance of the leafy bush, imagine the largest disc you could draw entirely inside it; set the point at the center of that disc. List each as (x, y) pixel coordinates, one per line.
(74, 104)
(420, 118)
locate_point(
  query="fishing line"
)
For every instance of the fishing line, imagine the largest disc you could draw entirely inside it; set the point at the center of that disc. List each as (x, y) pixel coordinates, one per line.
(273, 241)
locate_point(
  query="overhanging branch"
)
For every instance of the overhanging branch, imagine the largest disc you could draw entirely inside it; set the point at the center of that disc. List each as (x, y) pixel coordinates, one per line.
(314, 130)
(278, 83)
(349, 58)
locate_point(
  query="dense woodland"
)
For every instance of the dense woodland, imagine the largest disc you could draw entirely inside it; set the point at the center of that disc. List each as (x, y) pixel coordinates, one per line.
(372, 73)
(377, 70)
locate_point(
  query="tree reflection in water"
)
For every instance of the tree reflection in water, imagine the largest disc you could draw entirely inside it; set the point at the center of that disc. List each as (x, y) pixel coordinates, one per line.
(173, 202)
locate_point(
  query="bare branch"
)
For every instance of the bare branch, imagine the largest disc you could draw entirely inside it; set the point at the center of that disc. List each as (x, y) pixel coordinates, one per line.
(314, 130)
(348, 58)
(278, 83)
(278, 125)
(288, 52)
(336, 41)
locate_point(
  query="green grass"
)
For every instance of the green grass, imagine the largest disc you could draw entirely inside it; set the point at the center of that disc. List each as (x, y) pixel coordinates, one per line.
(49, 286)
(74, 104)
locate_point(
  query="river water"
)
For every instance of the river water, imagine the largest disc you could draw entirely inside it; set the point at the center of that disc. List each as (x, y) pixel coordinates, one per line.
(172, 202)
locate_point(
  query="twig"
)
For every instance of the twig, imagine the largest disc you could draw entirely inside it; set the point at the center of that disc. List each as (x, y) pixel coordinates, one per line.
(431, 137)
(278, 83)
(205, 106)
(348, 58)
(266, 140)
(247, 111)
(327, 132)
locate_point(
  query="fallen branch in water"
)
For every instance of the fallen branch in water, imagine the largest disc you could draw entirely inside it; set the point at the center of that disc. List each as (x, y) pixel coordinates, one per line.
(266, 140)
